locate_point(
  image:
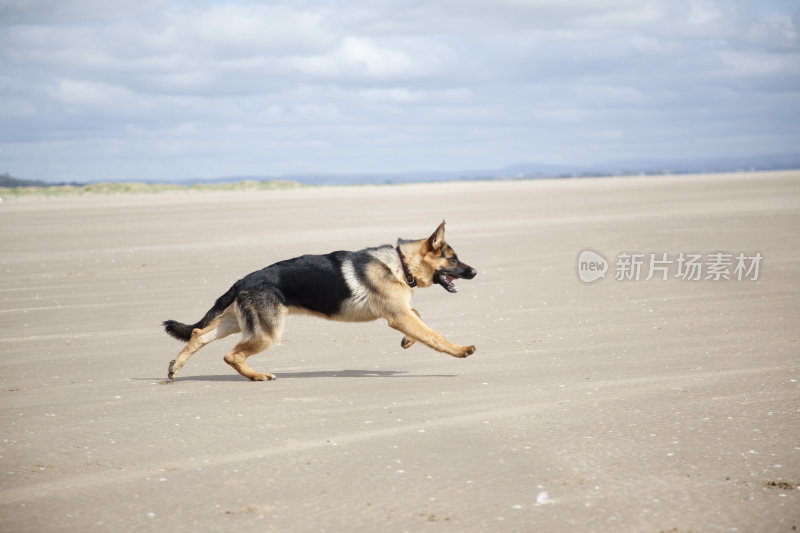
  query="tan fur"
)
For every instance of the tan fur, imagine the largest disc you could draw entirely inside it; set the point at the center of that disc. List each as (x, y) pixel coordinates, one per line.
(423, 259)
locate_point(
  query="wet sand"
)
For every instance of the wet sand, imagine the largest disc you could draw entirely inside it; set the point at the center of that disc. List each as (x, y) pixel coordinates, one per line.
(618, 405)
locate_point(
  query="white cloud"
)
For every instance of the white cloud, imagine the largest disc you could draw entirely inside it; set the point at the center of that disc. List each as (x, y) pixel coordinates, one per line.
(91, 94)
(775, 31)
(246, 87)
(361, 55)
(362, 59)
(53, 13)
(750, 63)
(242, 31)
(703, 12)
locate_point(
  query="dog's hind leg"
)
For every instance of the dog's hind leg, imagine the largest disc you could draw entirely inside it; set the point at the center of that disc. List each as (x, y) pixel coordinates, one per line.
(261, 319)
(237, 358)
(220, 327)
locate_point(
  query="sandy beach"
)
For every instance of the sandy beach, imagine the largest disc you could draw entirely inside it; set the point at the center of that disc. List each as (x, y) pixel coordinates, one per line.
(633, 404)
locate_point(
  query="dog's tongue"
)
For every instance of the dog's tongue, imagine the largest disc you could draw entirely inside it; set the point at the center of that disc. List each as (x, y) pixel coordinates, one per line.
(446, 281)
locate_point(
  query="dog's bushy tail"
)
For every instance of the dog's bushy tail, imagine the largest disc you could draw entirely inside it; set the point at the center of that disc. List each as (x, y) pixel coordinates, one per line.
(183, 332)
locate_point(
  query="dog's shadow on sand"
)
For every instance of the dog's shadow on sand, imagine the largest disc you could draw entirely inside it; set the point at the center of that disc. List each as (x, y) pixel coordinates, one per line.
(317, 374)
(360, 374)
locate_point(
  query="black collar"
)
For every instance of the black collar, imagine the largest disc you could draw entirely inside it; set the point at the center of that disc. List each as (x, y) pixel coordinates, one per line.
(409, 278)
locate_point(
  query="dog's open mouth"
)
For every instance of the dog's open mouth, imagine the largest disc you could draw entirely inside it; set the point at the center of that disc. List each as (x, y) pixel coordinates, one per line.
(446, 281)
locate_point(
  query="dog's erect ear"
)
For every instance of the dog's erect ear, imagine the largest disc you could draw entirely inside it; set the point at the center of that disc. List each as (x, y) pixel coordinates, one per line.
(436, 240)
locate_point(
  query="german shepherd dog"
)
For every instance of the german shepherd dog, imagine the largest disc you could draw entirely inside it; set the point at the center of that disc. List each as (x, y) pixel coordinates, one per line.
(347, 286)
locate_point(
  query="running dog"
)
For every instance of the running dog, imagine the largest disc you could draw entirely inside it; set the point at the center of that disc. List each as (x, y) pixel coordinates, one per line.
(346, 286)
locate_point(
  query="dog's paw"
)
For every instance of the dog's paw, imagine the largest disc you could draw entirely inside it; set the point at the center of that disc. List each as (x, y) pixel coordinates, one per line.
(407, 342)
(466, 351)
(171, 371)
(264, 377)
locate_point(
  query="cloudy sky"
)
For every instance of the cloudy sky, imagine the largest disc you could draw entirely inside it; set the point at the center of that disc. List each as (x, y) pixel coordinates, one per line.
(159, 89)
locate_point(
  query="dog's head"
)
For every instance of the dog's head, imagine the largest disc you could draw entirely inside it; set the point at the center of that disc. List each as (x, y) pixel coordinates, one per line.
(440, 262)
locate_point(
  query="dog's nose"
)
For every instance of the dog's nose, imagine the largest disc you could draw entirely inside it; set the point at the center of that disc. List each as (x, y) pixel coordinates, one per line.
(470, 273)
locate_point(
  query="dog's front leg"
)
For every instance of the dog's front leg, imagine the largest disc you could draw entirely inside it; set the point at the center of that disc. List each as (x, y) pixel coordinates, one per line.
(410, 324)
(407, 340)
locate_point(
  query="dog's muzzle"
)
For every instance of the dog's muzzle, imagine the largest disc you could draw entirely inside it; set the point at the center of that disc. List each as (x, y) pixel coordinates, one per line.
(445, 277)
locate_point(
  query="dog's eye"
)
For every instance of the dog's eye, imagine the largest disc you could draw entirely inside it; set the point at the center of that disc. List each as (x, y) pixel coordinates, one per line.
(454, 260)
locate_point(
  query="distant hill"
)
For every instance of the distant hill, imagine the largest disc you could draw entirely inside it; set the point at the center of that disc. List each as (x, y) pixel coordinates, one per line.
(627, 167)
(7, 180)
